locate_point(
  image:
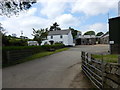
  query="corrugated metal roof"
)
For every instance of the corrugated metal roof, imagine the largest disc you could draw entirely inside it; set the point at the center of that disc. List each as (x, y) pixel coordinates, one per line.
(87, 36)
(105, 35)
(59, 32)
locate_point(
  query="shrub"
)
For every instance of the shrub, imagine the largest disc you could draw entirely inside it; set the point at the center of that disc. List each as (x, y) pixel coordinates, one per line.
(20, 52)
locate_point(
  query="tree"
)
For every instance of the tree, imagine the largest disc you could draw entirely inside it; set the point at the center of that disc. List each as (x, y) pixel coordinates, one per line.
(3, 37)
(40, 35)
(55, 27)
(99, 33)
(2, 30)
(11, 7)
(89, 33)
(74, 32)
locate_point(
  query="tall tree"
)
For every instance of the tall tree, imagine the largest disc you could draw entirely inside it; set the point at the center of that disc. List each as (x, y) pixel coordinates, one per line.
(89, 33)
(55, 27)
(74, 32)
(10, 7)
(40, 35)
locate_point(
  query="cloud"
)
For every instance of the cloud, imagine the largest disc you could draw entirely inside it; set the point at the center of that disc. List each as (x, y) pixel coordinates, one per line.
(93, 7)
(45, 13)
(97, 27)
(52, 8)
(24, 22)
(67, 20)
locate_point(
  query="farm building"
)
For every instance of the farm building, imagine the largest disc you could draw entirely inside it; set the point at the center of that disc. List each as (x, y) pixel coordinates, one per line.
(59, 36)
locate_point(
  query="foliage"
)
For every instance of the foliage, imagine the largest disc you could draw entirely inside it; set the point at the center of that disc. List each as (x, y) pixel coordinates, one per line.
(55, 46)
(40, 35)
(9, 48)
(89, 33)
(3, 32)
(99, 33)
(18, 42)
(25, 51)
(11, 7)
(112, 58)
(55, 27)
(74, 32)
(13, 41)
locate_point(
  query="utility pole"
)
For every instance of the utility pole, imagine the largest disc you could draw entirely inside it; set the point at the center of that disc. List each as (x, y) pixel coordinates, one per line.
(21, 34)
(108, 15)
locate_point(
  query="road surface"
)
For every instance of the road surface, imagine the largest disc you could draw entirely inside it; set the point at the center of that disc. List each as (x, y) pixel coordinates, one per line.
(60, 70)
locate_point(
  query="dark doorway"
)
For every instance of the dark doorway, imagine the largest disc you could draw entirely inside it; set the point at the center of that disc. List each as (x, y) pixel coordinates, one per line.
(78, 41)
(51, 42)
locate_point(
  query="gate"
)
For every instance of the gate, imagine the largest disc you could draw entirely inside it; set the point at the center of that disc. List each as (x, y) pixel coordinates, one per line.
(93, 69)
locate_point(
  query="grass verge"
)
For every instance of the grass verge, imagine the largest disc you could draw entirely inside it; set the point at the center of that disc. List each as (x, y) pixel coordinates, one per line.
(111, 58)
(42, 54)
(35, 56)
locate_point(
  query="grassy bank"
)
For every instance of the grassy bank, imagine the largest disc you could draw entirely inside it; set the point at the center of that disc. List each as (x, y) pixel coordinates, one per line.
(42, 54)
(112, 58)
(36, 56)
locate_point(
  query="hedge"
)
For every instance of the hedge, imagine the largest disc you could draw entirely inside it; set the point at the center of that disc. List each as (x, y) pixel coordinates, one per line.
(13, 53)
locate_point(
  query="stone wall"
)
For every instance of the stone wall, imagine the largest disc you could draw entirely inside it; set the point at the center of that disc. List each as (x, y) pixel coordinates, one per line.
(112, 75)
(88, 41)
(101, 74)
(115, 48)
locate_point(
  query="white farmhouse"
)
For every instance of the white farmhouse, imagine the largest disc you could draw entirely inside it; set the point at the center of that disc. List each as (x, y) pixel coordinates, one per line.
(59, 36)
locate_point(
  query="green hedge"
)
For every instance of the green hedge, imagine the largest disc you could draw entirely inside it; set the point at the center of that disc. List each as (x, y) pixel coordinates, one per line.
(55, 46)
(45, 47)
(12, 53)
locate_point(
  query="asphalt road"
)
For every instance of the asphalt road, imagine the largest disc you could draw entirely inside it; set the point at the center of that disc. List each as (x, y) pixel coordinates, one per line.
(59, 70)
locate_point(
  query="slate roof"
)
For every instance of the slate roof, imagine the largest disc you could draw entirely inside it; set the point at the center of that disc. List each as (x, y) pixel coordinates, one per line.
(59, 32)
(106, 34)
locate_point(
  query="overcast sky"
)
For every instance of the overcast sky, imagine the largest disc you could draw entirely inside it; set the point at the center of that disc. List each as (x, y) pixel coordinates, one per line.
(82, 15)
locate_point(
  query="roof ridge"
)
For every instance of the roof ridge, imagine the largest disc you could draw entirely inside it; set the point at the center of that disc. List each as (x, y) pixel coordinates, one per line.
(59, 32)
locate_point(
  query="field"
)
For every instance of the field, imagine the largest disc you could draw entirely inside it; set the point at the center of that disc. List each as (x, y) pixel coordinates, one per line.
(112, 58)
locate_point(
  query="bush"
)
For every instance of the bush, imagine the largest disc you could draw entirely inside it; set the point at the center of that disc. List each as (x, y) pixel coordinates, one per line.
(18, 42)
(20, 52)
(55, 46)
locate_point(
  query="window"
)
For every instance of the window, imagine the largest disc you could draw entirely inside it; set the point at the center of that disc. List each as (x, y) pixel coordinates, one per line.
(61, 36)
(51, 37)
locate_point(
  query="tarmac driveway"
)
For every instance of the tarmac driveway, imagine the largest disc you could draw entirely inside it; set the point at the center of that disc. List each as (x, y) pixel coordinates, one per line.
(55, 71)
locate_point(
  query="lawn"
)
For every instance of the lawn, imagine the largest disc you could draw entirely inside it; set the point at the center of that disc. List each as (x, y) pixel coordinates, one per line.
(112, 58)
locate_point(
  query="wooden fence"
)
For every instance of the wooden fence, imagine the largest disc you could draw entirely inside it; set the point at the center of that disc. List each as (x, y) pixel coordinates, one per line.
(99, 72)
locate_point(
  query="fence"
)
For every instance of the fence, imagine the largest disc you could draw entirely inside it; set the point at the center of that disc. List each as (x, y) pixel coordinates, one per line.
(101, 74)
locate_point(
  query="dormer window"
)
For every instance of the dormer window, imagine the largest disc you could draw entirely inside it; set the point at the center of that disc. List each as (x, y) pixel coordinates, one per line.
(51, 37)
(61, 36)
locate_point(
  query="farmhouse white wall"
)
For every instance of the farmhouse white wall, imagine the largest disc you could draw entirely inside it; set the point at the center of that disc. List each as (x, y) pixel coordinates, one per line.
(70, 39)
(56, 38)
(66, 39)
